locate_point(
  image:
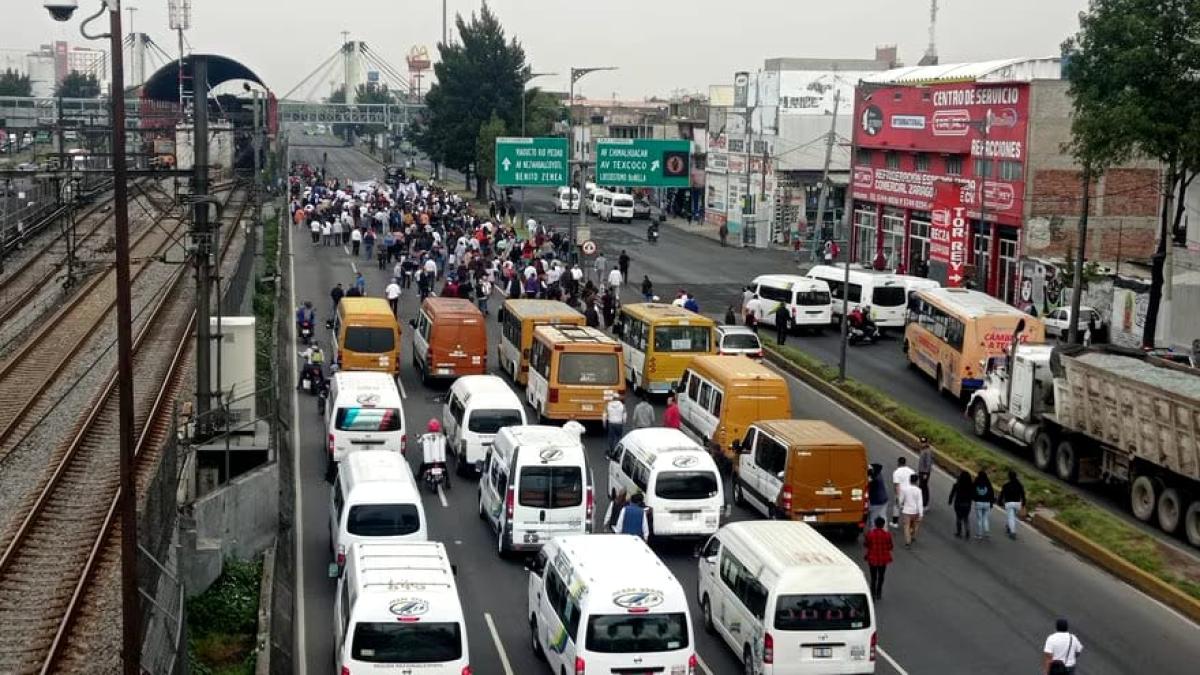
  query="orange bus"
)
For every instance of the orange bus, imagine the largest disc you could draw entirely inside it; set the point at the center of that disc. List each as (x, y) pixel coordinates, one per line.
(574, 371)
(951, 332)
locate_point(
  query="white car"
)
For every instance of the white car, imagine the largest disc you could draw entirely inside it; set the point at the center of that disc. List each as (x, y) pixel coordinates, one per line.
(738, 340)
(1058, 322)
(567, 201)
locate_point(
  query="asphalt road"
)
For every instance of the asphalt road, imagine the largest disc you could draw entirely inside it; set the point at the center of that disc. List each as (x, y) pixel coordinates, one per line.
(949, 607)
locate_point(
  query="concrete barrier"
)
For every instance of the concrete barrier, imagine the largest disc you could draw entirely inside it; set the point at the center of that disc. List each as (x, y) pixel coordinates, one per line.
(238, 520)
(262, 642)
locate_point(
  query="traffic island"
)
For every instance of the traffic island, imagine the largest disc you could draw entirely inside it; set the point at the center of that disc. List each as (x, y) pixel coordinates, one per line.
(1145, 563)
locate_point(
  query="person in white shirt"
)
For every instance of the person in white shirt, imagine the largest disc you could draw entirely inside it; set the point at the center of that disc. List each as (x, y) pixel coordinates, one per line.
(680, 299)
(392, 292)
(577, 273)
(553, 274)
(1061, 651)
(326, 231)
(912, 508)
(575, 428)
(899, 480)
(614, 421)
(614, 279)
(529, 272)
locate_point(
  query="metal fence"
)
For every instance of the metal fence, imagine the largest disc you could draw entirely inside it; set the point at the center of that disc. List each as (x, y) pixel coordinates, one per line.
(283, 656)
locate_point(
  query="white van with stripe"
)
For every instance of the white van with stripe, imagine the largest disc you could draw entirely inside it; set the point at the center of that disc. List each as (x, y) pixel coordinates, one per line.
(679, 480)
(605, 603)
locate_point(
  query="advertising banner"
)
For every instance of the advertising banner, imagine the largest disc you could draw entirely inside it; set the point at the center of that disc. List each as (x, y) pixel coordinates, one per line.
(948, 231)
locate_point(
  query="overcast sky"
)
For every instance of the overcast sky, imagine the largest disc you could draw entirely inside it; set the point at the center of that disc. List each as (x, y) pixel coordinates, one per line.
(659, 45)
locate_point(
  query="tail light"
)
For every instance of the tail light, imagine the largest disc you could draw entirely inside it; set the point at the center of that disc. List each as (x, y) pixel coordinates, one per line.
(329, 444)
(768, 648)
(510, 499)
(554, 394)
(579, 666)
(466, 670)
(403, 443)
(345, 670)
(759, 353)
(591, 503)
(339, 357)
(341, 555)
(874, 645)
(785, 499)
(428, 357)
(693, 664)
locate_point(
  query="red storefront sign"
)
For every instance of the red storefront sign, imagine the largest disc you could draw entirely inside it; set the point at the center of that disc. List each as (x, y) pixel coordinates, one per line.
(948, 231)
(960, 121)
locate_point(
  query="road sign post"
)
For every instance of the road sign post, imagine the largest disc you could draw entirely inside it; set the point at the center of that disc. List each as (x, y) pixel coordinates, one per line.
(644, 162)
(532, 162)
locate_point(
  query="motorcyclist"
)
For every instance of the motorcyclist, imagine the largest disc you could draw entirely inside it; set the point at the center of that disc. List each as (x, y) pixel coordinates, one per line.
(652, 232)
(314, 371)
(860, 318)
(433, 450)
(305, 316)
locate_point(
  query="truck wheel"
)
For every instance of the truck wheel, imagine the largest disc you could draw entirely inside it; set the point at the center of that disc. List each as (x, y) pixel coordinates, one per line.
(981, 420)
(1043, 451)
(1143, 497)
(1066, 461)
(1191, 523)
(1170, 510)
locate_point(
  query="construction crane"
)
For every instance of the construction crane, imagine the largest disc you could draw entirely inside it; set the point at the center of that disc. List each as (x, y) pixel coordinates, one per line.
(931, 58)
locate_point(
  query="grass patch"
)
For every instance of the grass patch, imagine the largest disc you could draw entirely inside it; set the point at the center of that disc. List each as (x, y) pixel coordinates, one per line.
(223, 622)
(1107, 531)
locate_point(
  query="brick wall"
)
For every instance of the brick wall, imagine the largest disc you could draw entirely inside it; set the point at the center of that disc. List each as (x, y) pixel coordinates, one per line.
(1131, 192)
(1058, 192)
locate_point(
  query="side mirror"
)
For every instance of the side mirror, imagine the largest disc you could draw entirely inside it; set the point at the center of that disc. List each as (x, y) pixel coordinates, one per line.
(479, 466)
(736, 445)
(413, 323)
(334, 571)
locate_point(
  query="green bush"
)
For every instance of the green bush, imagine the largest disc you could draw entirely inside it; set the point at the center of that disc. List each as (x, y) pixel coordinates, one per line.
(223, 622)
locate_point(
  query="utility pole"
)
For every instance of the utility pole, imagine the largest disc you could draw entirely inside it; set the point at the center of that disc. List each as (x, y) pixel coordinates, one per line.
(837, 97)
(577, 73)
(1077, 291)
(443, 24)
(202, 245)
(746, 198)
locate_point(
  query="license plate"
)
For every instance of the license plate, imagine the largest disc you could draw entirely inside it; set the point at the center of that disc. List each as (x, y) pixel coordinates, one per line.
(531, 538)
(686, 516)
(822, 652)
(443, 371)
(587, 406)
(810, 519)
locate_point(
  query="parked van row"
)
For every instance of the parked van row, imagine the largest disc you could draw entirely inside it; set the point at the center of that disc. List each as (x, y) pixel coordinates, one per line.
(885, 293)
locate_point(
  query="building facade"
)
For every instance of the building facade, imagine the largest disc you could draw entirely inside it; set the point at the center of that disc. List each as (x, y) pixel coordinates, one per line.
(996, 132)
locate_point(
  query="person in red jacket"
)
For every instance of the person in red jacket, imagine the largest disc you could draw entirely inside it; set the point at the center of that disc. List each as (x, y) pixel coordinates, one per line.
(878, 543)
(671, 418)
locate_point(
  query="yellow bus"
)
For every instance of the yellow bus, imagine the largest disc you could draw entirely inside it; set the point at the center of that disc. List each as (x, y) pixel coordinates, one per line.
(518, 318)
(573, 372)
(951, 332)
(659, 342)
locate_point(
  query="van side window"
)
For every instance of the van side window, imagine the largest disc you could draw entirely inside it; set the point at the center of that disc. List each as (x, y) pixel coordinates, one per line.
(855, 292)
(711, 549)
(715, 408)
(693, 388)
(512, 329)
(638, 473)
(424, 326)
(499, 478)
(339, 500)
(683, 381)
(748, 590)
(770, 455)
(615, 453)
(705, 396)
(561, 601)
(344, 600)
(748, 441)
(457, 410)
(539, 359)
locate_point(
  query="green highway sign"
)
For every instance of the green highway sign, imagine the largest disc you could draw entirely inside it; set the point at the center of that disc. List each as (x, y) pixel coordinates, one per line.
(643, 162)
(532, 162)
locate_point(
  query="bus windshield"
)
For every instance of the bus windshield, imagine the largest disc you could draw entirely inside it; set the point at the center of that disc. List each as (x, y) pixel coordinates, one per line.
(599, 369)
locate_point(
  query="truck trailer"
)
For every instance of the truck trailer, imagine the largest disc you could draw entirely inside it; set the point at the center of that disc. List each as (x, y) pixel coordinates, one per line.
(1106, 414)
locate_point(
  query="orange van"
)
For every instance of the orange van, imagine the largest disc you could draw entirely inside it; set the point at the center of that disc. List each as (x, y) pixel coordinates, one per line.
(366, 336)
(449, 339)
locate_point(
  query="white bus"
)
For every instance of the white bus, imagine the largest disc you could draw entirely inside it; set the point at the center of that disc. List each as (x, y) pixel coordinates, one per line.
(886, 294)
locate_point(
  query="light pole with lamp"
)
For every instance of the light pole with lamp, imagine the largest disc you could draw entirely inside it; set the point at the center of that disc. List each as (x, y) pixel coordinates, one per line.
(62, 10)
(577, 73)
(528, 77)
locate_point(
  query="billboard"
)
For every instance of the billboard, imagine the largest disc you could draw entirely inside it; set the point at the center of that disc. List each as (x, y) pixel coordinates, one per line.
(741, 89)
(973, 121)
(948, 231)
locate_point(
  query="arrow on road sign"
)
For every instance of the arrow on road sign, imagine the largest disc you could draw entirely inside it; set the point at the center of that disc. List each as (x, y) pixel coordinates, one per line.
(654, 165)
(954, 278)
(506, 163)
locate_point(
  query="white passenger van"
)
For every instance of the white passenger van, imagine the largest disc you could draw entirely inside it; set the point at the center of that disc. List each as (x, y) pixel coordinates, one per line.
(807, 300)
(617, 207)
(478, 406)
(397, 610)
(364, 412)
(886, 294)
(786, 600)
(374, 499)
(912, 284)
(604, 603)
(535, 485)
(678, 478)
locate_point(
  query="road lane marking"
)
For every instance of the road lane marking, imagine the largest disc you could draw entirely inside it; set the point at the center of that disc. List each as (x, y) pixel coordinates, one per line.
(487, 616)
(297, 517)
(703, 666)
(400, 383)
(442, 497)
(892, 662)
(353, 267)
(346, 249)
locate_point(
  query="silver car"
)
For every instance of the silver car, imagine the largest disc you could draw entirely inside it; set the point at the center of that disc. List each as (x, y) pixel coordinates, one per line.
(738, 340)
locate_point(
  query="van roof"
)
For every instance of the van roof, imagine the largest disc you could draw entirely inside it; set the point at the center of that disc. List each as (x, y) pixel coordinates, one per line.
(574, 334)
(789, 553)
(491, 385)
(367, 389)
(733, 367)
(540, 437)
(377, 476)
(878, 279)
(968, 303)
(365, 306)
(451, 308)
(664, 313)
(790, 281)
(527, 308)
(609, 566)
(809, 433)
(661, 445)
(387, 577)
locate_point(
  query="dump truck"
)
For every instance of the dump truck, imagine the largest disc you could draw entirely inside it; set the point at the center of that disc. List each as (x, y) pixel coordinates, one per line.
(1102, 414)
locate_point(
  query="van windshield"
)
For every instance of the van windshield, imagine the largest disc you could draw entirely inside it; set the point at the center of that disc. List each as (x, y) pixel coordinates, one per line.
(637, 633)
(383, 520)
(370, 339)
(551, 487)
(623, 201)
(681, 338)
(492, 421)
(415, 642)
(812, 298)
(848, 611)
(888, 296)
(686, 485)
(587, 369)
(368, 419)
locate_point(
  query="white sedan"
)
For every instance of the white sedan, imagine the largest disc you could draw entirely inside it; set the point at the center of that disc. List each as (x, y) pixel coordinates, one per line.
(1058, 322)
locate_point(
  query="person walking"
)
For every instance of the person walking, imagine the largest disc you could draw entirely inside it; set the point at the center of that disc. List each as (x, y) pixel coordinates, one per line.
(614, 421)
(360, 284)
(878, 544)
(643, 412)
(326, 232)
(615, 279)
(336, 295)
(1012, 496)
(924, 468)
(633, 518)
(1061, 651)
(899, 479)
(315, 229)
(600, 267)
(355, 241)
(671, 416)
(983, 495)
(392, 292)
(961, 496)
(877, 494)
(623, 265)
(782, 317)
(912, 509)
(647, 289)
(730, 317)
(483, 291)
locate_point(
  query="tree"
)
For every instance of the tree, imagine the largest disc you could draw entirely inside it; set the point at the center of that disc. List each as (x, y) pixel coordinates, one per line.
(542, 110)
(371, 93)
(485, 151)
(481, 76)
(1133, 70)
(13, 83)
(79, 85)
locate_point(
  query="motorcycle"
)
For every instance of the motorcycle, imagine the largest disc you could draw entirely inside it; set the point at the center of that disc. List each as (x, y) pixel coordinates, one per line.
(863, 333)
(435, 476)
(652, 234)
(322, 397)
(306, 332)
(312, 378)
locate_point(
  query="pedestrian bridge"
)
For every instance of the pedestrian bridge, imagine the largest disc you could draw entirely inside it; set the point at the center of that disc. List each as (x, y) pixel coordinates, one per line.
(347, 113)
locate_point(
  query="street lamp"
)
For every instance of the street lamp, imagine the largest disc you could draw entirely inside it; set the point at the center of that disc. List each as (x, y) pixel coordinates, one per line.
(61, 10)
(577, 73)
(528, 77)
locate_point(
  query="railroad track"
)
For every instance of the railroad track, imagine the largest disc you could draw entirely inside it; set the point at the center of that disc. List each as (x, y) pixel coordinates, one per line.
(65, 536)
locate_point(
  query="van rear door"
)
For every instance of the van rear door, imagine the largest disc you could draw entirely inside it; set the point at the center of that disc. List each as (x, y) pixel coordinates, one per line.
(550, 501)
(827, 485)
